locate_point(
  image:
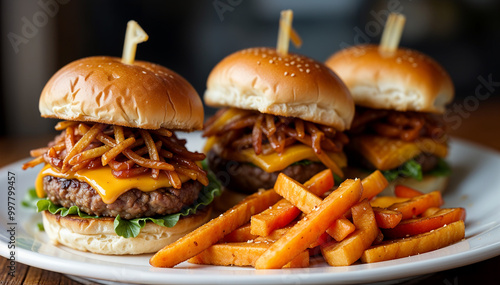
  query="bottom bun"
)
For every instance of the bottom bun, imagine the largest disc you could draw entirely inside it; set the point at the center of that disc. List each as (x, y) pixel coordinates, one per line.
(98, 235)
(428, 184)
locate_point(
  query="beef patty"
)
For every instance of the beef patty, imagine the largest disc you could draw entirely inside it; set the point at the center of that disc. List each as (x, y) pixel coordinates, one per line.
(247, 178)
(132, 204)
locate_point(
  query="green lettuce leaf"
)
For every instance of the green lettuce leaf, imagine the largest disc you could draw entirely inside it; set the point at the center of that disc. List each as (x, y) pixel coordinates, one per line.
(30, 199)
(132, 228)
(442, 169)
(411, 168)
(46, 204)
(414, 170)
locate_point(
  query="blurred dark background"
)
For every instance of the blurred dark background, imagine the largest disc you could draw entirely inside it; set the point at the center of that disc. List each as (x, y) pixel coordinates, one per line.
(190, 37)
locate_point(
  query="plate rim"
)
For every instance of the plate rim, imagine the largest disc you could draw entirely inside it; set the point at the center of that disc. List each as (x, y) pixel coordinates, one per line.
(418, 267)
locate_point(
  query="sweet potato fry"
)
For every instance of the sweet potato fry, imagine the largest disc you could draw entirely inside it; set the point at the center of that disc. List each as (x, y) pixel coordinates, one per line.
(241, 234)
(278, 216)
(373, 184)
(340, 229)
(306, 201)
(406, 192)
(275, 235)
(296, 193)
(284, 212)
(211, 232)
(242, 254)
(417, 205)
(430, 211)
(387, 219)
(320, 183)
(421, 225)
(351, 248)
(278, 233)
(421, 243)
(308, 230)
(321, 240)
(386, 201)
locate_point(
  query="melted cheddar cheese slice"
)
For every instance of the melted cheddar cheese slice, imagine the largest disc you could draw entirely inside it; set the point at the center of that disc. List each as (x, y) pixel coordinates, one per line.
(103, 181)
(275, 162)
(387, 153)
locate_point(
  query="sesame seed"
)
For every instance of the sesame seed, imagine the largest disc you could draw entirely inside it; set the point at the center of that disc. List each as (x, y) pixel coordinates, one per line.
(308, 70)
(271, 61)
(286, 73)
(301, 70)
(292, 75)
(258, 62)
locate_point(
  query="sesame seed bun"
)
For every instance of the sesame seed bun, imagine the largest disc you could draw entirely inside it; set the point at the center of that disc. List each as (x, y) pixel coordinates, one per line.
(293, 85)
(139, 95)
(406, 80)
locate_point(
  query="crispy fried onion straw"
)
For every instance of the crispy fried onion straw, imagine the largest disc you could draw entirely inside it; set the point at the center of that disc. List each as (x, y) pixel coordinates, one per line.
(406, 126)
(127, 151)
(267, 133)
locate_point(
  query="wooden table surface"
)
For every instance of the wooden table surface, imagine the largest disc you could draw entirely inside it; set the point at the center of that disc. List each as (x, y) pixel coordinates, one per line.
(480, 125)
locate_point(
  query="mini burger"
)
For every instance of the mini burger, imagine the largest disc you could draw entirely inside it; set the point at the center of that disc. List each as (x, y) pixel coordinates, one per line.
(117, 179)
(398, 127)
(280, 114)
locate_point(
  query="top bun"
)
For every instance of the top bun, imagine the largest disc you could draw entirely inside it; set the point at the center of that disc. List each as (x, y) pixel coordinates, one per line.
(405, 80)
(293, 85)
(139, 95)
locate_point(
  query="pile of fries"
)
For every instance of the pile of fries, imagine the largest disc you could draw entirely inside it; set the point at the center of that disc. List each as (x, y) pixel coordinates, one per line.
(128, 152)
(285, 226)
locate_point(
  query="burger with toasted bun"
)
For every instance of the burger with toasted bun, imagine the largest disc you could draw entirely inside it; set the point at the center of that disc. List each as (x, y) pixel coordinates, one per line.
(117, 180)
(398, 128)
(280, 114)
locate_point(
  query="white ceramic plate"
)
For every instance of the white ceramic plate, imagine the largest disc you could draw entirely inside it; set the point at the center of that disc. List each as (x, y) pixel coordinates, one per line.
(475, 185)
